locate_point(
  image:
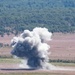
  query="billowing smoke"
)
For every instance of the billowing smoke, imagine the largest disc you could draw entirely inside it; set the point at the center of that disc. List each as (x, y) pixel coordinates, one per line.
(32, 47)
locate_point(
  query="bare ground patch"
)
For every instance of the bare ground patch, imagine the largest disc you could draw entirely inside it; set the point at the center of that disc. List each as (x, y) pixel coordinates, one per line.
(62, 46)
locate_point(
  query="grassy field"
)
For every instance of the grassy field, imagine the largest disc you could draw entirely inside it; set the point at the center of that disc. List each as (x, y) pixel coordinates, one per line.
(64, 64)
(33, 74)
(9, 60)
(17, 61)
(62, 47)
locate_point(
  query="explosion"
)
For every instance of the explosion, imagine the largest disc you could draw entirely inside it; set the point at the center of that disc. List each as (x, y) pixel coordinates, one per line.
(31, 46)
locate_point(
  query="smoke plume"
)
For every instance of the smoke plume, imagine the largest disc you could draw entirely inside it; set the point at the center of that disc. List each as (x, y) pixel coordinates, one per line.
(31, 46)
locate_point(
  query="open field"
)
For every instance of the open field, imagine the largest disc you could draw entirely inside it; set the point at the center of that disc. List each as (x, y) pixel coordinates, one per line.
(11, 61)
(62, 47)
(15, 61)
(38, 74)
(35, 73)
(6, 39)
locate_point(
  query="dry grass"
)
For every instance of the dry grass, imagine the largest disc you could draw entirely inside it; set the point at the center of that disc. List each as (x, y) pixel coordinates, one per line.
(62, 46)
(6, 39)
(34, 74)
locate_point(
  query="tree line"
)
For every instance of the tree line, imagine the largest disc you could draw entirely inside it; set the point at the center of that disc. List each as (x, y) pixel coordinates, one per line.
(17, 15)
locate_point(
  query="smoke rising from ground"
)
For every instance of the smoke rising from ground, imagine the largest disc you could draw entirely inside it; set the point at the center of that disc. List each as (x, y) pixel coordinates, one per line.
(31, 46)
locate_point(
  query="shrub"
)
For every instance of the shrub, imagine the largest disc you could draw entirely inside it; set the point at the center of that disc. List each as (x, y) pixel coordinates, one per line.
(1, 44)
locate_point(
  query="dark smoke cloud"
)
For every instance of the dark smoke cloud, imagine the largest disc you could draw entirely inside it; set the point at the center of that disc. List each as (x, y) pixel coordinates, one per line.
(32, 47)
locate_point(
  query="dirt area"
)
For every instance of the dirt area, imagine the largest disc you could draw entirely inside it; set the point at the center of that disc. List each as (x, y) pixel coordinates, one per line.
(62, 46)
(9, 68)
(6, 39)
(39, 72)
(14, 68)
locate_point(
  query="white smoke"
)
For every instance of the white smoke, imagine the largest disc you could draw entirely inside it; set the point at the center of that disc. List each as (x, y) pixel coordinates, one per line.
(32, 47)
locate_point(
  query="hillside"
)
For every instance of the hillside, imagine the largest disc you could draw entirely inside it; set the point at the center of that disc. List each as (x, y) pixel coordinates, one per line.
(56, 15)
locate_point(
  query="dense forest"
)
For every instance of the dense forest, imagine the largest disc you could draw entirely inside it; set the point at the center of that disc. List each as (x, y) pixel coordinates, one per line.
(56, 15)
